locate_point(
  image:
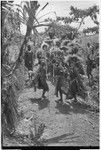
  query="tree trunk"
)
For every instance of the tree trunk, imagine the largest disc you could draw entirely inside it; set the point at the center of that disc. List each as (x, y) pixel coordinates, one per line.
(24, 42)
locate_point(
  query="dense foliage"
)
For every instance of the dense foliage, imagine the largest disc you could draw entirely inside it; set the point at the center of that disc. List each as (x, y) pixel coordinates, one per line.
(66, 50)
(93, 30)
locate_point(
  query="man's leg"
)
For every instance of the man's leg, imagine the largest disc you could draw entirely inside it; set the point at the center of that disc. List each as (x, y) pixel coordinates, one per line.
(89, 79)
(75, 99)
(56, 92)
(43, 94)
(92, 79)
(34, 86)
(61, 99)
(56, 89)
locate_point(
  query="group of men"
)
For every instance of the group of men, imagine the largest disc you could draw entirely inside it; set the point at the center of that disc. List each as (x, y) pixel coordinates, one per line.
(74, 86)
(41, 73)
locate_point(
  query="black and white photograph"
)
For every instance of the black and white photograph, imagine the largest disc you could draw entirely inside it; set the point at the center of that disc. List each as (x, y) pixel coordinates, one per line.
(50, 74)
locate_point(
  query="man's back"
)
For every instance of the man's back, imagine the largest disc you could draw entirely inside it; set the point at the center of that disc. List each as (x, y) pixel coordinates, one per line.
(29, 58)
(28, 55)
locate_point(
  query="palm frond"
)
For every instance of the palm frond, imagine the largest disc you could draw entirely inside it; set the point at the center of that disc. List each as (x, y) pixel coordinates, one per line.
(42, 22)
(22, 18)
(25, 12)
(28, 4)
(25, 9)
(36, 20)
(34, 5)
(45, 6)
(9, 5)
(5, 8)
(19, 6)
(25, 3)
(45, 14)
(19, 10)
(42, 8)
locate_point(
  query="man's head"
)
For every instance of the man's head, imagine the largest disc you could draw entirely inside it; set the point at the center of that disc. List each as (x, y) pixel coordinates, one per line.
(72, 65)
(42, 63)
(88, 56)
(58, 43)
(29, 47)
(45, 47)
(88, 44)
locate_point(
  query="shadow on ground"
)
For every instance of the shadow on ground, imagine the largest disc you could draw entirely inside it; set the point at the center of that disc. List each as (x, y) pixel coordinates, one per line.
(64, 109)
(58, 139)
(76, 108)
(41, 103)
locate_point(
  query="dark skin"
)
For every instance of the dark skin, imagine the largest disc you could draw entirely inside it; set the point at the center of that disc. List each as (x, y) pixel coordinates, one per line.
(73, 84)
(61, 98)
(73, 88)
(60, 91)
(59, 83)
(65, 74)
(43, 73)
(29, 60)
(89, 63)
(44, 91)
(43, 94)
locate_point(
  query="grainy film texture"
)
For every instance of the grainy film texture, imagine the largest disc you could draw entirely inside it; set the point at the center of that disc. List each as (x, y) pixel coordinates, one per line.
(50, 73)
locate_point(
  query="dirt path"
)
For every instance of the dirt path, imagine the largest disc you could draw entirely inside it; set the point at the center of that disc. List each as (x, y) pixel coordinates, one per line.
(66, 125)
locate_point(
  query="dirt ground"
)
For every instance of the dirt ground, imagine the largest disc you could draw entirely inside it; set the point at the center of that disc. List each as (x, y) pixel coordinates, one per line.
(70, 124)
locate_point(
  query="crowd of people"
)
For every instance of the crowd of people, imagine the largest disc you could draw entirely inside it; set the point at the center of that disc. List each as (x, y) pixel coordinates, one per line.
(59, 60)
